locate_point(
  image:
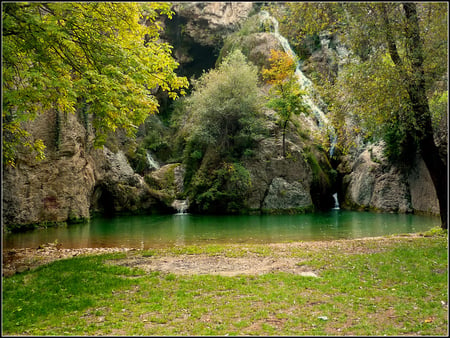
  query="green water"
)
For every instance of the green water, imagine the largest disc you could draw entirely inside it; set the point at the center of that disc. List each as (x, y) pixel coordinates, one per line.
(151, 231)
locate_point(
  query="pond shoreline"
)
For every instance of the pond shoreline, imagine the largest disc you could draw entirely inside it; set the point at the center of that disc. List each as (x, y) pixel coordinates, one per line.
(24, 259)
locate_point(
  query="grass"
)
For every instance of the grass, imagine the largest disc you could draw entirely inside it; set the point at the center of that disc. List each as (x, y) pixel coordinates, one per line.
(391, 287)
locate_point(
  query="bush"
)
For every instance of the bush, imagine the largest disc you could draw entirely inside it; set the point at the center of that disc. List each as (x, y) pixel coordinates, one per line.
(222, 191)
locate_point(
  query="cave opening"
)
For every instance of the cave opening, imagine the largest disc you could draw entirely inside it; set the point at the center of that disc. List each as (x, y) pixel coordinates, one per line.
(103, 201)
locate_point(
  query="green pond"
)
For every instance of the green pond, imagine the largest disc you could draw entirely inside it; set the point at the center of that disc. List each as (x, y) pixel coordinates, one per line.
(150, 231)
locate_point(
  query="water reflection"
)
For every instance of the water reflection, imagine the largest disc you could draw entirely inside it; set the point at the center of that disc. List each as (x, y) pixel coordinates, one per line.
(159, 231)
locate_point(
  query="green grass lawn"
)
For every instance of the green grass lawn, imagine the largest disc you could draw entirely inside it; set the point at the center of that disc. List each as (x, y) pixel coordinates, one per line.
(389, 287)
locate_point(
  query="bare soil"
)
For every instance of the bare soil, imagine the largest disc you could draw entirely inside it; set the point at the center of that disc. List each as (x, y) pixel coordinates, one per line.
(279, 259)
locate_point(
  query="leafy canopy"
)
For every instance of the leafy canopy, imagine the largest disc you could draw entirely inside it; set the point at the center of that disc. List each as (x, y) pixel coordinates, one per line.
(374, 83)
(225, 105)
(225, 124)
(285, 95)
(102, 57)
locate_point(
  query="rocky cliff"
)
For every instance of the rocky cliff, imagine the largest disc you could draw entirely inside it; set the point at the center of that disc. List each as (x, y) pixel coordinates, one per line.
(198, 29)
(76, 180)
(56, 189)
(73, 181)
(370, 182)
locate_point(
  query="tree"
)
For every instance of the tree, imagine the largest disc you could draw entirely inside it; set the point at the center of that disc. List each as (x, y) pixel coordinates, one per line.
(285, 93)
(224, 125)
(103, 58)
(398, 53)
(225, 106)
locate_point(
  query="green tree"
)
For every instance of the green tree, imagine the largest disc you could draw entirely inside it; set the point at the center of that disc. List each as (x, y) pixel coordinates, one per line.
(224, 126)
(104, 58)
(225, 106)
(397, 62)
(286, 96)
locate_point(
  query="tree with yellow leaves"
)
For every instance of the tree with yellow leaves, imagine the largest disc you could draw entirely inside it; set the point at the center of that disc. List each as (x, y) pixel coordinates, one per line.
(285, 95)
(103, 58)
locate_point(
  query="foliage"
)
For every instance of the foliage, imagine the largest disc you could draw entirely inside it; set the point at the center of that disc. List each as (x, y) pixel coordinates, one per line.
(224, 124)
(223, 191)
(397, 62)
(285, 93)
(61, 55)
(224, 106)
(439, 108)
(371, 85)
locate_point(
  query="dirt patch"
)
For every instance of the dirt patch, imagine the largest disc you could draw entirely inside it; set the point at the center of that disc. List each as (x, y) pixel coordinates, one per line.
(217, 265)
(19, 260)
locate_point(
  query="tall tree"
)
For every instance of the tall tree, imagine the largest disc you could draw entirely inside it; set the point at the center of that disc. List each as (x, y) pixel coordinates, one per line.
(103, 57)
(285, 94)
(397, 55)
(224, 125)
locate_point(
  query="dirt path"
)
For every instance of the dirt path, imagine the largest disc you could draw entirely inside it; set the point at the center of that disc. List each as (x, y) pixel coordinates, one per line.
(19, 260)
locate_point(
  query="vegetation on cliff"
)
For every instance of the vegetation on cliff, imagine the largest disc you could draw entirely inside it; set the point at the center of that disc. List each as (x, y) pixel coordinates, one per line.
(393, 76)
(106, 62)
(224, 124)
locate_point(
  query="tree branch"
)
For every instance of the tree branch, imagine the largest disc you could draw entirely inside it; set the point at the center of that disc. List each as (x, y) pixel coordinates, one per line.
(392, 47)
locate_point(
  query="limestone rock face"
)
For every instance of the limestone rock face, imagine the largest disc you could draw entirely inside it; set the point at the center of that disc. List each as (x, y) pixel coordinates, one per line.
(423, 194)
(208, 22)
(283, 195)
(72, 181)
(57, 188)
(279, 184)
(372, 183)
(118, 188)
(168, 184)
(198, 29)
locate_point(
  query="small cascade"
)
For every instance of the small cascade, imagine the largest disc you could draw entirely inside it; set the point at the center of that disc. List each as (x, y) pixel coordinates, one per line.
(152, 163)
(304, 82)
(180, 206)
(336, 201)
(333, 141)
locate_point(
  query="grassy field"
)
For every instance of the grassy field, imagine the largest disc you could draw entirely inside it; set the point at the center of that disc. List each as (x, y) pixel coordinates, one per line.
(390, 286)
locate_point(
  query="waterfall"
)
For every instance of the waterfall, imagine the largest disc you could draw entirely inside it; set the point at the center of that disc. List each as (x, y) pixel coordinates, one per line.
(151, 161)
(336, 202)
(180, 206)
(303, 81)
(333, 141)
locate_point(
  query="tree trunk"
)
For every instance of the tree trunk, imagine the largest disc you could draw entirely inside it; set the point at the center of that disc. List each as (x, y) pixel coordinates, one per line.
(284, 138)
(436, 165)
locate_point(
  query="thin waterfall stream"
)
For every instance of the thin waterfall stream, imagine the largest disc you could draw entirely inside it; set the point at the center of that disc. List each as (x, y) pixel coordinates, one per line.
(152, 163)
(303, 81)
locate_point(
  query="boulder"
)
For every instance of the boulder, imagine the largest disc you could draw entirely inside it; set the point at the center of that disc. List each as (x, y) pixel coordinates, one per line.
(371, 182)
(283, 195)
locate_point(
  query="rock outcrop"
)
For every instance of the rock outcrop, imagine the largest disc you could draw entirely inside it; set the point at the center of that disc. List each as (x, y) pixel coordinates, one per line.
(279, 184)
(370, 182)
(118, 188)
(421, 188)
(73, 180)
(207, 23)
(198, 29)
(56, 189)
